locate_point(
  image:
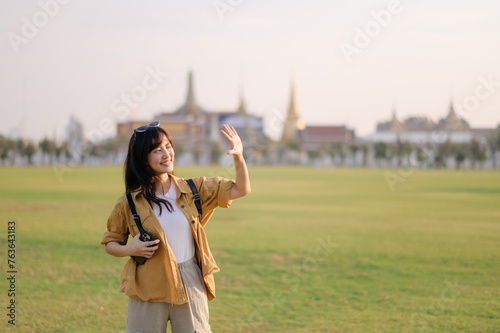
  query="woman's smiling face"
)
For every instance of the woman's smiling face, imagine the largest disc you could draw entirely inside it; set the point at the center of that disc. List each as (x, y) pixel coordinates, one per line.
(161, 158)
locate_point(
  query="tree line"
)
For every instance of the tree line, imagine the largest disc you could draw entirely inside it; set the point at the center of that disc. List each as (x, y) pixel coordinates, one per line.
(49, 152)
(473, 154)
(443, 155)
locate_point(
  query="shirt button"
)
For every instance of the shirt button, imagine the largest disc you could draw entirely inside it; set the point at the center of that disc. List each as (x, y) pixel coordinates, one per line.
(193, 221)
(182, 206)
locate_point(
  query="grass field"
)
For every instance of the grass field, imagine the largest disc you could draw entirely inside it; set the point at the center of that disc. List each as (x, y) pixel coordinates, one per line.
(310, 250)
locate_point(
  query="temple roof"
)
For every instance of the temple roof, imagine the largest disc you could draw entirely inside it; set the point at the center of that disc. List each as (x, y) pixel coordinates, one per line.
(396, 125)
(327, 134)
(242, 107)
(293, 121)
(293, 109)
(189, 108)
(393, 125)
(452, 122)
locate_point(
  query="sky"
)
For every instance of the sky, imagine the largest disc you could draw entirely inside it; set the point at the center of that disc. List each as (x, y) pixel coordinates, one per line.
(353, 62)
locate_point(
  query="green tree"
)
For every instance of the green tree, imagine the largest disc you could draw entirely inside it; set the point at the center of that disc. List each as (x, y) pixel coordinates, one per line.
(443, 152)
(494, 147)
(296, 148)
(17, 149)
(421, 155)
(215, 152)
(197, 154)
(381, 151)
(5, 147)
(403, 150)
(330, 151)
(48, 148)
(96, 150)
(341, 151)
(29, 151)
(477, 153)
(364, 151)
(111, 148)
(313, 154)
(179, 149)
(66, 152)
(460, 154)
(354, 148)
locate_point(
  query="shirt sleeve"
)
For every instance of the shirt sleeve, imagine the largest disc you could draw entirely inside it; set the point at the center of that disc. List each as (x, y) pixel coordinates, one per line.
(215, 192)
(117, 225)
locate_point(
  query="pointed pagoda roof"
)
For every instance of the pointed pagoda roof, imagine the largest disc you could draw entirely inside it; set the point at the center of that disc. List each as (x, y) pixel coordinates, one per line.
(392, 125)
(452, 122)
(293, 122)
(190, 94)
(395, 125)
(293, 110)
(242, 107)
(190, 108)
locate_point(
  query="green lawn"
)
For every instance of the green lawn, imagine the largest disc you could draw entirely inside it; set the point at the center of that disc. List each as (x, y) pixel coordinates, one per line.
(310, 250)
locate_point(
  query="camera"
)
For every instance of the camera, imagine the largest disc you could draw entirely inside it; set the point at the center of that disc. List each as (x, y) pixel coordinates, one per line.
(144, 237)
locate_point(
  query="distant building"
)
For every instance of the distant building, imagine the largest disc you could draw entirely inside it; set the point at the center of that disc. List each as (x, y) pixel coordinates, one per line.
(74, 135)
(311, 137)
(320, 136)
(422, 131)
(293, 125)
(196, 131)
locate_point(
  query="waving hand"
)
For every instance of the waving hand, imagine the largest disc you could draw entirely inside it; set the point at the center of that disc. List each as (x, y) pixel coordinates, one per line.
(234, 140)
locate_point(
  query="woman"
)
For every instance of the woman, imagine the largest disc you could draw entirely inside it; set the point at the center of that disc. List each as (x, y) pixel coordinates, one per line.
(176, 281)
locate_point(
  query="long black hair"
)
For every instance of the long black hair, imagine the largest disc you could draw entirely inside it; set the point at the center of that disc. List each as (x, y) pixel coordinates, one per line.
(137, 172)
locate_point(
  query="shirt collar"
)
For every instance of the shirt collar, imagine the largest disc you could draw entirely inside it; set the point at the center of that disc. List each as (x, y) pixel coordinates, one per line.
(181, 185)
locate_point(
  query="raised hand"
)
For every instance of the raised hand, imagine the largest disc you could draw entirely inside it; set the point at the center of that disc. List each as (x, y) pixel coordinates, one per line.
(234, 140)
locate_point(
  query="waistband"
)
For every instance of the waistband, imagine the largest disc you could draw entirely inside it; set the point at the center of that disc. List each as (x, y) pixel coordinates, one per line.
(189, 263)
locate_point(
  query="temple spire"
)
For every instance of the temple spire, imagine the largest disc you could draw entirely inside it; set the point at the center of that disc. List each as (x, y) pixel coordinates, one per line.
(242, 107)
(451, 111)
(293, 123)
(452, 122)
(292, 106)
(191, 108)
(396, 125)
(394, 117)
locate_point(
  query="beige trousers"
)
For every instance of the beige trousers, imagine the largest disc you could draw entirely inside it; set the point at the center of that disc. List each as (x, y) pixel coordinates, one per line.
(191, 317)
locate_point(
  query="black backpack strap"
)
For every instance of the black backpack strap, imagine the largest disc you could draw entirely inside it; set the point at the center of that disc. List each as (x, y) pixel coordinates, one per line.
(136, 217)
(196, 195)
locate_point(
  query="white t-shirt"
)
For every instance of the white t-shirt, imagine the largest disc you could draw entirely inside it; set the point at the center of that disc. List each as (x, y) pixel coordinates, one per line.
(176, 227)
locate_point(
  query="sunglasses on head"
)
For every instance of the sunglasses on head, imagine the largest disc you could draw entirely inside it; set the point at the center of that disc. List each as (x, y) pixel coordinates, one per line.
(144, 128)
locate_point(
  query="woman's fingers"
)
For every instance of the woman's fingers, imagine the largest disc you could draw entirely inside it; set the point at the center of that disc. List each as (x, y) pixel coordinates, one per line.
(145, 249)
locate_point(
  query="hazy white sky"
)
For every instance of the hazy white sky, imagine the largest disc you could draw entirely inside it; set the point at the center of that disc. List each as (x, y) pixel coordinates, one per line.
(353, 60)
